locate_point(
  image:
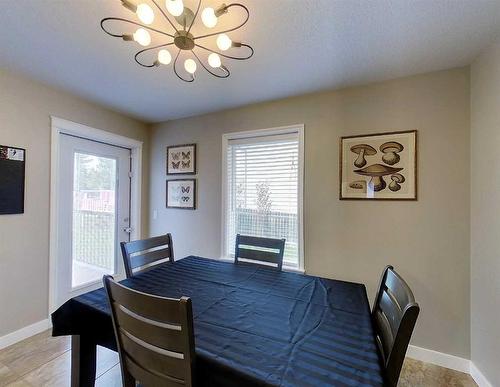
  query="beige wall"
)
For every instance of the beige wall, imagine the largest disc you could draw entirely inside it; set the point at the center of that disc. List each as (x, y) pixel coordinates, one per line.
(25, 109)
(485, 214)
(427, 241)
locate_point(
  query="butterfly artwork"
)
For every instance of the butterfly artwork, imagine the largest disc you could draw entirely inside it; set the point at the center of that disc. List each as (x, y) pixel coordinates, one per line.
(181, 193)
(181, 159)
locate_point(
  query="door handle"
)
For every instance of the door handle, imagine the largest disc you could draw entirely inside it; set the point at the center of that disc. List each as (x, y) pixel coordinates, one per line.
(128, 230)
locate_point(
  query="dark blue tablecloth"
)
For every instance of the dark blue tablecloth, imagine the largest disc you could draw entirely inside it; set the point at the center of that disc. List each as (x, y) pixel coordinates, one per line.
(253, 326)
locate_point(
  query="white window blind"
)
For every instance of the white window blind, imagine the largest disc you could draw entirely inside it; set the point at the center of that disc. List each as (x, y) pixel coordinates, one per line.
(262, 191)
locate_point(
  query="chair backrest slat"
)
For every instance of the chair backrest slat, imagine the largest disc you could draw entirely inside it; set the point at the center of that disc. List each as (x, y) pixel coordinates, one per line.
(147, 305)
(268, 243)
(139, 255)
(154, 335)
(150, 331)
(259, 255)
(394, 316)
(256, 253)
(391, 310)
(149, 379)
(149, 257)
(146, 244)
(151, 360)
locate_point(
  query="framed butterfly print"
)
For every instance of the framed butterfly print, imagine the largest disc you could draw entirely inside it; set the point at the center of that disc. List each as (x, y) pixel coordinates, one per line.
(181, 159)
(181, 193)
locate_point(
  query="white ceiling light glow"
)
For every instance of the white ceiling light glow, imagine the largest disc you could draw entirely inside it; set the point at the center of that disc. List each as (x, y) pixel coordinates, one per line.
(214, 60)
(208, 17)
(164, 57)
(224, 42)
(145, 13)
(175, 7)
(190, 66)
(181, 20)
(142, 37)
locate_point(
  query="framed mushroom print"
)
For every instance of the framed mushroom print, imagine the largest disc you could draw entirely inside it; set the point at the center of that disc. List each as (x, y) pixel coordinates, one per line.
(181, 159)
(181, 193)
(379, 166)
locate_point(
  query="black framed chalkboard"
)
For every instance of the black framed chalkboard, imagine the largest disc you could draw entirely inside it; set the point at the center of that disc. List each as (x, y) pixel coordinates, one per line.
(12, 171)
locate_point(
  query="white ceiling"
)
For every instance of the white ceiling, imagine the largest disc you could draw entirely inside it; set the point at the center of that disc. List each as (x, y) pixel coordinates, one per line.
(300, 46)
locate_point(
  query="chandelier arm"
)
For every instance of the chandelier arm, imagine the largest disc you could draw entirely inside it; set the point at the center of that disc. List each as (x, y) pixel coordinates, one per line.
(131, 22)
(229, 56)
(230, 29)
(165, 15)
(226, 71)
(195, 15)
(147, 49)
(175, 69)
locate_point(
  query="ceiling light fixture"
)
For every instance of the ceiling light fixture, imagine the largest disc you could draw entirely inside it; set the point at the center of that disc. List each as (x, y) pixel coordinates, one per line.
(181, 37)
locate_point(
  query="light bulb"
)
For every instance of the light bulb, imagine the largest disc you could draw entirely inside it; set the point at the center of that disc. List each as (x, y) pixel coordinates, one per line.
(190, 66)
(208, 17)
(223, 42)
(175, 7)
(164, 57)
(214, 60)
(145, 13)
(142, 37)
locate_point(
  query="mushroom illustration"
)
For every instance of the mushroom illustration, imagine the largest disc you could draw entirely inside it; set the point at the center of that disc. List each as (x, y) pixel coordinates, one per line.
(377, 173)
(358, 184)
(391, 150)
(361, 150)
(397, 179)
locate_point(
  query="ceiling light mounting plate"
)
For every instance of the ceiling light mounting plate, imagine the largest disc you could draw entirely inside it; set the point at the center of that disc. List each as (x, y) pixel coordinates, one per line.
(184, 40)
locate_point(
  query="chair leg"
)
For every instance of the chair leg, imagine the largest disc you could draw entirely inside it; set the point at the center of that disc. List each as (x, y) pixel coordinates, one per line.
(128, 379)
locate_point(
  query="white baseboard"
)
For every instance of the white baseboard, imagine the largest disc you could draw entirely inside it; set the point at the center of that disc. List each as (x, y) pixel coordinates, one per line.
(439, 358)
(24, 333)
(449, 361)
(478, 377)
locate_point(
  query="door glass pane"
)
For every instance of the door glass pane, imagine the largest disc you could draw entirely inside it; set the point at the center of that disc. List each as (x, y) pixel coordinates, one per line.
(94, 218)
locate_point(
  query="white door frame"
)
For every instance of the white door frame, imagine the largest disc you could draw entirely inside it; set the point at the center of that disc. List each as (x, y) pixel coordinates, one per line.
(61, 126)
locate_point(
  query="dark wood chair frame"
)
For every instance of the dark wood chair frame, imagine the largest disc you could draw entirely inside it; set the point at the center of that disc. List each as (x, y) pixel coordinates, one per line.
(152, 334)
(394, 316)
(136, 255)
(260, 255)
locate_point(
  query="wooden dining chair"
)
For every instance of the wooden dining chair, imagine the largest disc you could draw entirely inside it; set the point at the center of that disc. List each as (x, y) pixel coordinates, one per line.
(266, 250)
(154, 337)
(144, 254)
(394, 316)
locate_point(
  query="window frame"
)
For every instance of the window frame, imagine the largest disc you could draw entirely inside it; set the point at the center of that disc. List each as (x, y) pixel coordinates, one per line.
(283, 130)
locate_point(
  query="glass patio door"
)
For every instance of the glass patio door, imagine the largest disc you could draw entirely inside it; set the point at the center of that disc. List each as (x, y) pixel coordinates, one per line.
(94, 214)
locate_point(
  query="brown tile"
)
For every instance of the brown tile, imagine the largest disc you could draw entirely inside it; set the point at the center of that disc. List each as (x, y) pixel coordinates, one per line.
(19, 383)
(55, 373)
(419, 374)
(7, 375)
(44, 361)
(31, 353)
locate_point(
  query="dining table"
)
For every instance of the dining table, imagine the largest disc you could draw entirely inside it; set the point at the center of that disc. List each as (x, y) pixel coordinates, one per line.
(253, 325)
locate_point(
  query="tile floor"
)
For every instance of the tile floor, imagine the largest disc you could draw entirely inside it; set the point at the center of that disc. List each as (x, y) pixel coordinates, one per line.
(45, 361)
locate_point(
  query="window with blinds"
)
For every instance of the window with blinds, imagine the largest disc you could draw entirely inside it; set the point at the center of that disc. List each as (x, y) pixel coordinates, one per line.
(262, 191)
